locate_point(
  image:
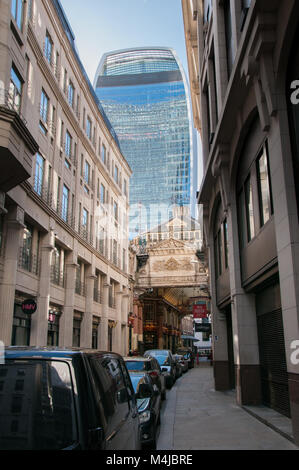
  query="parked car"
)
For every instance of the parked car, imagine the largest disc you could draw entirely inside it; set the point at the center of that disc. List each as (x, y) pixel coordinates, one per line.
(188, 355)
(152, 367)
(182, 361)
(149, 404)
(178, 367)
(167, 364)
(52, 399)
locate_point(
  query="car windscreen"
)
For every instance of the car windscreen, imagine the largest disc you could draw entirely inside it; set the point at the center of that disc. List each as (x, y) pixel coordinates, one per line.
(163, 360)
(36, 405)
(157, 352)
(137, 365)
(186, 354)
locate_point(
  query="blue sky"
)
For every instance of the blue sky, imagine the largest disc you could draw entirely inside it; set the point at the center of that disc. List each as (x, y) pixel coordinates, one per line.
(105, 25)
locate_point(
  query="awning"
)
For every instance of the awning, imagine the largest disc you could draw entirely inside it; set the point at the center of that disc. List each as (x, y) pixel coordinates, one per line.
(192, 338)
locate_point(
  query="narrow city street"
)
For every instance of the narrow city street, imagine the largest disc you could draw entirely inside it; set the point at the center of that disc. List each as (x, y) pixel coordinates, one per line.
(196, 417)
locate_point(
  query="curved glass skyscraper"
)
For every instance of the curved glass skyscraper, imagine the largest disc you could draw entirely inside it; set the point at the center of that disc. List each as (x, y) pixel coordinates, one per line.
(144, 94)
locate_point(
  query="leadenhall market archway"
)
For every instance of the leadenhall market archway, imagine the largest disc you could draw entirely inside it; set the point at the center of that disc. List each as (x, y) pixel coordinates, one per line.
(171, 278)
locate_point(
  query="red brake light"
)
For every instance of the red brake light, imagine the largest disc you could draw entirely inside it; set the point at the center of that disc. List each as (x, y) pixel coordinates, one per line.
(153, 373)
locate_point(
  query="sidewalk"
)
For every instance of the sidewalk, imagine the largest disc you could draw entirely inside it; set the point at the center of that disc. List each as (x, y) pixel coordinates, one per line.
(196, 417)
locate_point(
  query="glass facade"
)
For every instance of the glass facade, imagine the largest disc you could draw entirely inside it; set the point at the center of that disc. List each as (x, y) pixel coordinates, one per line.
(143, 93)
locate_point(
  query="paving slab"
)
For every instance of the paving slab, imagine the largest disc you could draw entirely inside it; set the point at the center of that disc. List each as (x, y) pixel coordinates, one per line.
(196, 417)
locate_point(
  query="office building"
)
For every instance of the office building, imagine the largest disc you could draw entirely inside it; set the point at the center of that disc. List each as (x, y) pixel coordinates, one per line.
(64, 210)
(144, 94)
(244, 69)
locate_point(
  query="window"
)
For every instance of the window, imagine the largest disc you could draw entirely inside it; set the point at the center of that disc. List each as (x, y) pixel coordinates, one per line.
(56, 67)
(249, 210)
(125, 188)
(27, 260)
(44, 107)
(264, 187)
(207, 10)
(68, 144)
(30, 10)
(15, 90)
(17, 7)
(88, 127)
(85, 218)
(65, 203)
(115, 210)
(48, 48)
(116, 175)
(71, 94)
(225, 236)
(104, 154)
(48, 384)
(219, 252)
(102, 194)
(65, 81)
(228, 36)
(39, 174)
(87, 172)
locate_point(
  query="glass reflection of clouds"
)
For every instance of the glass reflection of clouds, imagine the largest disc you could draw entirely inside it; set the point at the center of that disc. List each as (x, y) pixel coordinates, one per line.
(143, 94)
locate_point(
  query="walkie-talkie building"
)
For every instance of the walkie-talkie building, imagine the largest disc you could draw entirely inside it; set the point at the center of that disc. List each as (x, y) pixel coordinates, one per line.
(144, 94)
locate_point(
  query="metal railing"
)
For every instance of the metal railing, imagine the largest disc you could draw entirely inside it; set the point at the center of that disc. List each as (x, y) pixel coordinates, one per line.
(43, 191)
(7, 101)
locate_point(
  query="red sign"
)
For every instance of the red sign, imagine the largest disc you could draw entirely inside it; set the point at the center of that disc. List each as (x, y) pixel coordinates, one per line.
(199, 311)
(29, 306)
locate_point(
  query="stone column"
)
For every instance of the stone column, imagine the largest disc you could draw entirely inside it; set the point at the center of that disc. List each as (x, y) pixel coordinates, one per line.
(66, 319)
(244, 323)
(117, 345)
(86, 325)
(287, 241)
(39, 322)
(104, 317)
(219, 334)
(124, 322)
(15, 227)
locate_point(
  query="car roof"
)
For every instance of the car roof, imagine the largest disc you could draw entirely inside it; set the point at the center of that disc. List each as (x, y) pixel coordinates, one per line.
(157, 350)
(137, 358)
(14, 352)
(141, 373)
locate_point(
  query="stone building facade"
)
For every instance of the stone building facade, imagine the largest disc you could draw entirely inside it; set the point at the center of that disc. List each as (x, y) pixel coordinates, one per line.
(63, 232)
(244, 71)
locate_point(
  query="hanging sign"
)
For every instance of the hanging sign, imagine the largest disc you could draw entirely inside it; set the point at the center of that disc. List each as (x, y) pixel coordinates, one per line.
(29, 306)
(199, 311)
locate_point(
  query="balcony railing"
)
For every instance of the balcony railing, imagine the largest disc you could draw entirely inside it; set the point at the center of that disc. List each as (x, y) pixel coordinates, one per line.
(8, 100)
(28, 261)
(44, 192)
